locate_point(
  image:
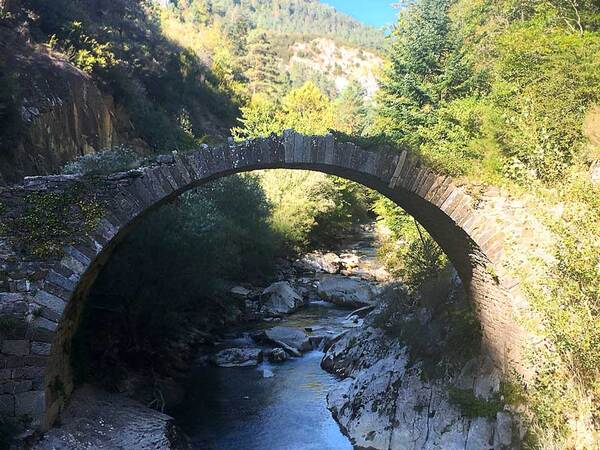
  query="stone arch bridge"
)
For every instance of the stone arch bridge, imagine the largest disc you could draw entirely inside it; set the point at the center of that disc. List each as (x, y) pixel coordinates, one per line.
(56, 233)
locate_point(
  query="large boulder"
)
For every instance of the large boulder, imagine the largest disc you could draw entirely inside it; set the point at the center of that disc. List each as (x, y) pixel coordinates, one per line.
(238, 357)
(96, 419)
(319, 262)
(347, 292)
(292, 340)
(281, 298)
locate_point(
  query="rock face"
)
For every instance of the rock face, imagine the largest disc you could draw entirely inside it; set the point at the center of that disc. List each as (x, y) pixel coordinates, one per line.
(63, 113)
(384, 403)
(96, 419)
(282, 299)
(238, 357)
(347, 292)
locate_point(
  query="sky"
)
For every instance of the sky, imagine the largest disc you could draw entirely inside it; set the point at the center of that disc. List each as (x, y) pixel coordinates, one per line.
(373, 12)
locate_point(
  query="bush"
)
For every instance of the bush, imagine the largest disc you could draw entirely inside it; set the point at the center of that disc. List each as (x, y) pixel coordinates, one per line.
(566, 389)
(542, 126)
(472, 406)
(105, 162)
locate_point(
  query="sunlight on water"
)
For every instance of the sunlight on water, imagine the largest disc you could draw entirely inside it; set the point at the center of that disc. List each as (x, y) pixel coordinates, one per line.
(270, 407)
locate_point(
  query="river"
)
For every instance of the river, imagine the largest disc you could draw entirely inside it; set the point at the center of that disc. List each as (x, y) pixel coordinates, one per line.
(269, 407)
(273, 406)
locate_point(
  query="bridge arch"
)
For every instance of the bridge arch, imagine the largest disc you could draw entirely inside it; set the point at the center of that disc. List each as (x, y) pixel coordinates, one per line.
(43, 296)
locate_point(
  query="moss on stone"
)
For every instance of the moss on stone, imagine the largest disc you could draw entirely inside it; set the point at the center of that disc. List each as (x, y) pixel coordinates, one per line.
(52, 219)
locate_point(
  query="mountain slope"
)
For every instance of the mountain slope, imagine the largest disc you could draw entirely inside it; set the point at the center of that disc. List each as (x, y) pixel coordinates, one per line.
(301, 17)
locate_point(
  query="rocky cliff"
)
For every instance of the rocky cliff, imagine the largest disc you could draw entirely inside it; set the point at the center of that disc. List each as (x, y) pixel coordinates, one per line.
(62, 112)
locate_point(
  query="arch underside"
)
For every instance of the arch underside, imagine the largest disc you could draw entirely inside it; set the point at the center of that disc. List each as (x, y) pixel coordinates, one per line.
(59, 286)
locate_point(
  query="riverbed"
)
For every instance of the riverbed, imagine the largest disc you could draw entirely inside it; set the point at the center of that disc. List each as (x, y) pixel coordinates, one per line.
(270, 407)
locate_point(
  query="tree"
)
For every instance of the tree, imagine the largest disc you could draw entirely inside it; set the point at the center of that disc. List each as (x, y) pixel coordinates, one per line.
(262, 64)
(427, 68)
(307, 110)
(351, 110)
(259, 118)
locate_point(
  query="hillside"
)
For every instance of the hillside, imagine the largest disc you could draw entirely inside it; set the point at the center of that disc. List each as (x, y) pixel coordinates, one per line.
(339, 64)
(308, 40)
(296, 17)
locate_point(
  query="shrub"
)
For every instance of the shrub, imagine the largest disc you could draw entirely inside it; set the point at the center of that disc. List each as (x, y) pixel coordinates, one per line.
(472, 406)
(313, 209)
(116, 159)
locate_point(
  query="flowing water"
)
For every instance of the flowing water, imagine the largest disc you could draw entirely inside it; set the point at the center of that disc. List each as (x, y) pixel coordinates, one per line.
(269, 407)
(273, 406)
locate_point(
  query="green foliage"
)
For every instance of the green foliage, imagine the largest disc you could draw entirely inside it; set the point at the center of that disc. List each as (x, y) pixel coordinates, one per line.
(259, 118)
(351, 110)
(309, 209)
(472, 406)
(542, 116)
(296, 17)
(82, 50)
(409, 253)
(568, 299)
(117, 159)
(312, 209)
(427, 70)
(263, 64)
(307, 110)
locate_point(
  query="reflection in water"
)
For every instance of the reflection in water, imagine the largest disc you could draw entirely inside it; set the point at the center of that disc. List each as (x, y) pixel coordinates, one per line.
(272, 407)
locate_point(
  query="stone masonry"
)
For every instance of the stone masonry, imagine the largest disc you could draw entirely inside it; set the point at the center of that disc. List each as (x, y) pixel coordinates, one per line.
(41, 297)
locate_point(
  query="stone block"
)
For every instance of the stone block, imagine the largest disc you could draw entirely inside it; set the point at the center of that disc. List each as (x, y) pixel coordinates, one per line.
(31, 403)
(43, 323)
(60, 280)
(50, 301)
(41, 348)
(15, 347)
(16, 387)
(7, 405)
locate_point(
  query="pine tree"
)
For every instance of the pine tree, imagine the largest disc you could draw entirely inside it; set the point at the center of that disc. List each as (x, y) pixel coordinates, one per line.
(351, 110)
(262, 65)
(427, 69)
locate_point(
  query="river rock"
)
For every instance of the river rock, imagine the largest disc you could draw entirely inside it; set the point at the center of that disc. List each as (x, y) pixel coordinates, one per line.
(240, 291)
(292, 340)
(278, 355)
(384, 402)
(95, 419)
(238, 357)
(347, 292)
(318, 262)
(281, 298)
